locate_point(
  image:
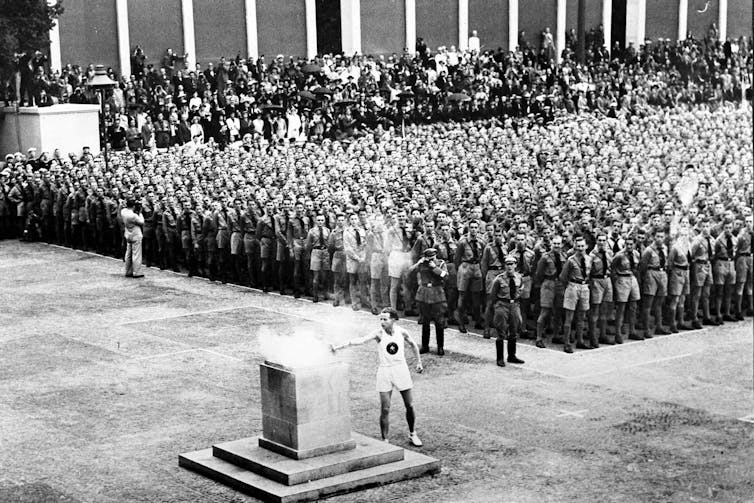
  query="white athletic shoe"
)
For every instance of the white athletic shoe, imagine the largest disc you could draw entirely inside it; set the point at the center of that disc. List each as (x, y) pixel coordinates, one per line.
(414, 439)
(386, 440)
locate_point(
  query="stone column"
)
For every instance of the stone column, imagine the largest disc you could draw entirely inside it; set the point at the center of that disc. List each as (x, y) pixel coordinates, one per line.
(189, 40)
(512, 24)
(636, 22)
(411, 26)
(683, 19)
(56, 60)
(124, 43)
(463, 25)
(350, 26)
(560, 34)
(311, 29)
(252, 45)
(607, 20)
(722, 19)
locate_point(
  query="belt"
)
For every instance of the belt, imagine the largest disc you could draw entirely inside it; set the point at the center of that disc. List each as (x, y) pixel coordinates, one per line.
(681, 267)
(508, 301)
(702, 261)
(597, 276)
(582, 282)
(339, 249)
(494, 268)
(725, 260)
(320, 247)
(625, 274)
(428, 285)
(654, 268)
(473, 262)
(553, 278)
(744, 255)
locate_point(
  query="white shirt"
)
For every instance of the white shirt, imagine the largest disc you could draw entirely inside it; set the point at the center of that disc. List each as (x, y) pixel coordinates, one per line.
(474, 44)
(391, 350)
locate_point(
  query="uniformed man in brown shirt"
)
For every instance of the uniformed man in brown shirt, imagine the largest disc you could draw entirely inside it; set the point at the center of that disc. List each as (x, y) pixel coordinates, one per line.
(492, 264)
(654, 282)
(506, 297)
(575, 275)
(743, 267)
(431, 273)
(551, 290)
(600, 290)
(701, 256)
(626, 288)
(319, 262)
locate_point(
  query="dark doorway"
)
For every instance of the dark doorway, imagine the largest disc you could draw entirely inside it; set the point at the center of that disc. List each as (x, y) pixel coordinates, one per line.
(328, 27)
(618, 24)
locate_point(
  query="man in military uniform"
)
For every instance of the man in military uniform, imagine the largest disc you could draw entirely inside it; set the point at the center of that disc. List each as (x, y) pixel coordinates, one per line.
(282, 255)
(743, 267)
(338, 263)
(600, 290)
(724, 272)
(298, 228)
(159, 231)
(170, 228)
(470, 281)
(198, 254)
(552, 289)
(319, 262)
(679, 280)
(250, 241)
(506, 295)
(266, 236)
(524, 266)
(493, 258)
(625, 288)
(186, 235)
(430, 296)
(236, 241)
(446, 251)
(575, 275)
(209, 231)
(355, 246)
(222, 222)
(150, 238)
(654, 282)
(701, 256)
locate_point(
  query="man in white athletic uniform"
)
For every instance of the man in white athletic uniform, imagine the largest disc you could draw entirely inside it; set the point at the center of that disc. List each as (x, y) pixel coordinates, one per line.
(393, 370)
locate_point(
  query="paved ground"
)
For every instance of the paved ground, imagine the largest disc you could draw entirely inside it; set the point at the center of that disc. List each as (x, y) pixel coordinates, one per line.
(104, 381)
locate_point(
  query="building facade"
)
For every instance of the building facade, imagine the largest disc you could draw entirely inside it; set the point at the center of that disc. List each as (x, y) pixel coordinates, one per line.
(107, 31)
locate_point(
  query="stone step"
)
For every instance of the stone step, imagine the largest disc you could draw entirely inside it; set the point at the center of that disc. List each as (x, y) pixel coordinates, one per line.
(247, 454)
(413, 465)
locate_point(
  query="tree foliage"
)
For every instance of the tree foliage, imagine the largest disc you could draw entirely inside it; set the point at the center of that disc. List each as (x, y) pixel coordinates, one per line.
(25, 27)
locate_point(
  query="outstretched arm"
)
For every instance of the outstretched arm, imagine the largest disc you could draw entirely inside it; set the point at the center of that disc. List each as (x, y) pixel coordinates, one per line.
(354, 342)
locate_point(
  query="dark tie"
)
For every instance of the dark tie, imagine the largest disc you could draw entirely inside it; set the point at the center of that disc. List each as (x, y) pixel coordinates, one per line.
(225, 214)
(512, 287)
(321, 236)
(499, 251)
(616, 248)
(474, 252)
(558, 264)
(358, 238)
(729, 246)
(430, 242)
(661, 253)
(603, 255)
(405, 238)
(583, 267)
(631, 260)
(709, 249)
(272, 221)
(524, 265)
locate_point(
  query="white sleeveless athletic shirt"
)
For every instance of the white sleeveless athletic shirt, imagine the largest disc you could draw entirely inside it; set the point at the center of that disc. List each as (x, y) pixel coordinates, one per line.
(391, 351)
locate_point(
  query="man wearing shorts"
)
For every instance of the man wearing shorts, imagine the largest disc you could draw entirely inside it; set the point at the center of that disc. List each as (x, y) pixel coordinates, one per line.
(552, 289)
(701, 255)
(679, 280)
(266, 236)
(393, 370)
(654, 284)
(743, 267)
(626, 289)
(319, 262)
(600, 290)
(575, 276)
(724, 272)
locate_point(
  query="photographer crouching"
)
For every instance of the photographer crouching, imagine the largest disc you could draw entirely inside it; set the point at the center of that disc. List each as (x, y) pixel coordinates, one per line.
(133, 223)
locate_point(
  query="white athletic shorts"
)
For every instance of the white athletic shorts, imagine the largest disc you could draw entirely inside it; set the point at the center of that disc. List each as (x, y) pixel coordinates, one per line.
(393, 376)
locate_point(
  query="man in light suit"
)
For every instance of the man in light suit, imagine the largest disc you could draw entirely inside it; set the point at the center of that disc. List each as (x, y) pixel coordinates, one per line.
(133, 223)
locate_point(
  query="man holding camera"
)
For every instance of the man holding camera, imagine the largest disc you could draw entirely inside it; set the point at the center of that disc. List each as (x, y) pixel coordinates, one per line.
(133, 222)
(430, 295)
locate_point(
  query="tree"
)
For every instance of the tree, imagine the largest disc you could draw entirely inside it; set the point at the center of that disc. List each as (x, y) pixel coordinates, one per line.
(24, 27)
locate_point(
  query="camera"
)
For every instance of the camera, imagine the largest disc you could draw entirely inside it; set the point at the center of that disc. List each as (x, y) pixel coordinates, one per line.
(137, 207)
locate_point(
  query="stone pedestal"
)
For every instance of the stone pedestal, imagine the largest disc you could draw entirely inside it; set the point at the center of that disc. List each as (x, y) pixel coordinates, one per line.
(307, 450)
(67, 127)
(305, 410)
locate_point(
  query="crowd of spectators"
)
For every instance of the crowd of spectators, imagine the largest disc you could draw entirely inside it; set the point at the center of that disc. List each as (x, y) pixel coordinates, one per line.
(335, 97)
(658, 143)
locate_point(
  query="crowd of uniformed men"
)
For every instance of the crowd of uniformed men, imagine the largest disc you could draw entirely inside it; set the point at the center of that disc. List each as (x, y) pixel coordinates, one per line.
(646, 222)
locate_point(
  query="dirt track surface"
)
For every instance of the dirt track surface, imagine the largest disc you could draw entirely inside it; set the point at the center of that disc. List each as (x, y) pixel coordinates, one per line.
(105, 380)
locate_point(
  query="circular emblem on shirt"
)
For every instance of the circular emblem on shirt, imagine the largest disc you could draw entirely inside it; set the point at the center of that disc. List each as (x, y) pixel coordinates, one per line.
(392, 348)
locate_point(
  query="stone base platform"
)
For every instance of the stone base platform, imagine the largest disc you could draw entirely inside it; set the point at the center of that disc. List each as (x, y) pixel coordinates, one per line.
(247, 467)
